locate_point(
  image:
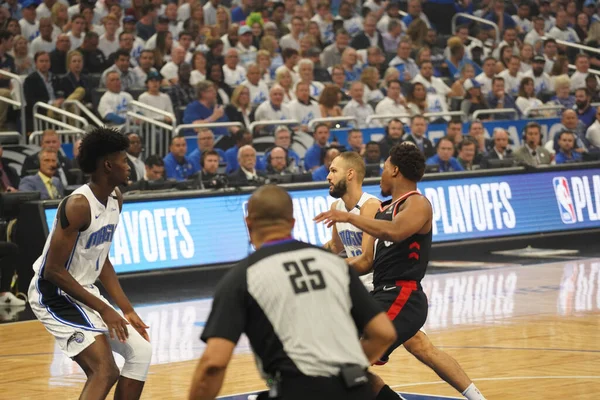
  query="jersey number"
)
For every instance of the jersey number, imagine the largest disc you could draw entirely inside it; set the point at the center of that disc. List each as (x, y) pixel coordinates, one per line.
(300, 277)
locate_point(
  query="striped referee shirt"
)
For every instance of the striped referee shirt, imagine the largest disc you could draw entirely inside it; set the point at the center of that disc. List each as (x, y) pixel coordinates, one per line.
(301, 307)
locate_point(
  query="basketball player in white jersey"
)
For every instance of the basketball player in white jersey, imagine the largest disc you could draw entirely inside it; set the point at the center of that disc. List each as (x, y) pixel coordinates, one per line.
(346, 175)
(63, 294)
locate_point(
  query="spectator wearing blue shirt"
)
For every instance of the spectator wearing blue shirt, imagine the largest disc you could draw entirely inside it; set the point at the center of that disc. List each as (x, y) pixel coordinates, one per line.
(498, 98)
(443, 158)
(239, 14)
(206, 142)
(177, 166)
(500, 17)
(320, 174)
(206, 109)
(566, 153)
(585, 112)
(570, 123)
(242, 138)
(458, 59)
(313, 156)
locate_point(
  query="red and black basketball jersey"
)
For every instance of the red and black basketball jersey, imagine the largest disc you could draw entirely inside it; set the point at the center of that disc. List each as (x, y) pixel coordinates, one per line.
(403, 261)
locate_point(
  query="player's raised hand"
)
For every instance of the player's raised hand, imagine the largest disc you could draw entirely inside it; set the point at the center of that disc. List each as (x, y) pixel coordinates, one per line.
(117, 325)
(138, 324)
(331, 217)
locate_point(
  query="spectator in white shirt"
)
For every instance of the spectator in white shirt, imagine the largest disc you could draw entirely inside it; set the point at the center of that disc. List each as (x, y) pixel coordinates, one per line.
(77, 33)
(145, 66)
(258, 88)
(522, 18)
(292, 39)
(392, 103)
(273, 109)
(283, 78)
(535, 35)
(246, 52)
(593, 132)
(485, 78)
(324, 18)
(562, 31)
(303, 109)
(44, 10)
(546, 14)
(512, 76)
(154, 98)
(114, 103)
(509, 39)
(306, 74)
(30, 27)
(109, 42)
(44, 42)
(199, 67)
(171, 69)
(403, 62)
(582, 64)
(541, 80)
(527, 100)
(210, 12)
(550, 54)
(233, 74)
(358, 108)
(433, 85)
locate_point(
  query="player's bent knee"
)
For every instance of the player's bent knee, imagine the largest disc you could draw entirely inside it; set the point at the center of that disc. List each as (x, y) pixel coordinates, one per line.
(137, 359)
(107, 372)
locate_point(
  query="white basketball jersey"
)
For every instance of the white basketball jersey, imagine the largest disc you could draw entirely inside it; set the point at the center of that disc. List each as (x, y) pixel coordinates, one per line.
(350, 235)
(93, 244)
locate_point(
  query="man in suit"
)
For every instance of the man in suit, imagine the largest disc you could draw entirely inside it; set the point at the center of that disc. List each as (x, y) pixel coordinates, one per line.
(49, 186)
(40, 86)
(532, 152)
(418, 127)
(393, 136)
(9, 179)
(246, 174)
(50, 140)
(133, 157)
(370, 37)
(500, 150)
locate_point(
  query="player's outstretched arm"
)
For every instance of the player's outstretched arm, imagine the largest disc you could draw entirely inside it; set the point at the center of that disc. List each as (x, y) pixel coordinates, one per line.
(413, 216)
(74, 216)
(109, 280)
(210, 372)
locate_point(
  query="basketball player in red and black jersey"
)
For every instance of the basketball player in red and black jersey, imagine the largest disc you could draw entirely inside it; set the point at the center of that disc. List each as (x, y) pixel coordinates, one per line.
(398, 255)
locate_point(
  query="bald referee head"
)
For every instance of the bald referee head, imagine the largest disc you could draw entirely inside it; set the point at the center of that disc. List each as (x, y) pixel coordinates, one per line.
(270, 215)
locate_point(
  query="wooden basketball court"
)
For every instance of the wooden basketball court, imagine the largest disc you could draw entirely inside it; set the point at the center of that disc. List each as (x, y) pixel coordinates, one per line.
(520, 333)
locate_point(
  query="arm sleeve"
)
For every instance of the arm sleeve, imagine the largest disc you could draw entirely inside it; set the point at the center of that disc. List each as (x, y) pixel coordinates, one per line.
(228, 315)
(364, 307)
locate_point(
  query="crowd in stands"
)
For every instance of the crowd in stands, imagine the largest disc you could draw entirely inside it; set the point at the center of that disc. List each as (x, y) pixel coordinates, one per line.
(252, 60)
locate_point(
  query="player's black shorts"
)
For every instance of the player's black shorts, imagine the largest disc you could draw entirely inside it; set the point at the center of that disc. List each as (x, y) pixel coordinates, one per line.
(406, 306)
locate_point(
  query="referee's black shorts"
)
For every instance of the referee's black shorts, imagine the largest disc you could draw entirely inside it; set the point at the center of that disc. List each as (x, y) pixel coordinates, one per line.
(406, 306)
(320, 388)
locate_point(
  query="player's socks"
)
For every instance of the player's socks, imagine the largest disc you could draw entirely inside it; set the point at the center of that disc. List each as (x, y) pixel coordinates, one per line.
(386, 393)
(472, 393)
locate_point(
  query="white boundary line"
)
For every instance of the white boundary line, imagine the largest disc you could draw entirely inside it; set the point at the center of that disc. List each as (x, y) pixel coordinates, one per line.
(507, 378)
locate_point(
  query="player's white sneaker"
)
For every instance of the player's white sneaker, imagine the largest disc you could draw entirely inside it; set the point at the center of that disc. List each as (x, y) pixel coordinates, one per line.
(10, 300)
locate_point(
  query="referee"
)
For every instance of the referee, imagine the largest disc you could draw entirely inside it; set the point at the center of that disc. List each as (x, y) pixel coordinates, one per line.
(303, 310)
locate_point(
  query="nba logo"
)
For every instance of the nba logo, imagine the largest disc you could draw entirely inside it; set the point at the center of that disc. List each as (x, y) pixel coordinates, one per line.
(564, 200)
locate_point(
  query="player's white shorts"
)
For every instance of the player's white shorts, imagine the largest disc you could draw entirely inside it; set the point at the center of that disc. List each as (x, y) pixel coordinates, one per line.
(75, 327)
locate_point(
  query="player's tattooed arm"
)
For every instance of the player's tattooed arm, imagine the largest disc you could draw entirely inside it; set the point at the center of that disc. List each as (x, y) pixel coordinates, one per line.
(334, 245)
